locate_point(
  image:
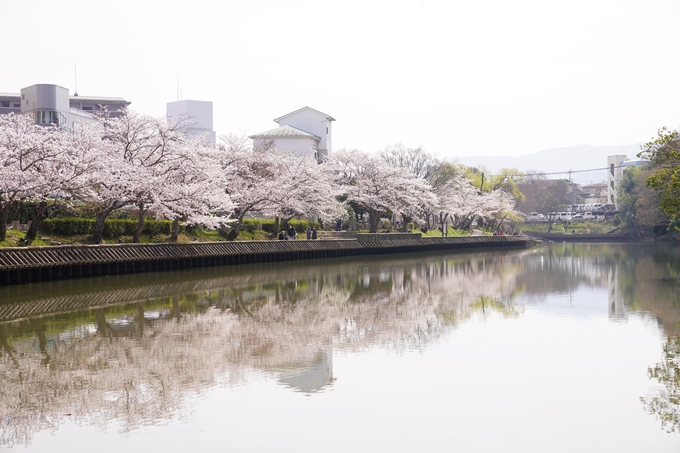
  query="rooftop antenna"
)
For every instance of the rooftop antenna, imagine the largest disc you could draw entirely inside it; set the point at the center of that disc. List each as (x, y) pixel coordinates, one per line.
(179, 92)
(75, 76)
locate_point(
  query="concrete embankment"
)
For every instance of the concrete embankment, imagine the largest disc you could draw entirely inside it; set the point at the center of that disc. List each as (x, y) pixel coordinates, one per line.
(565, 237)
(35, 264)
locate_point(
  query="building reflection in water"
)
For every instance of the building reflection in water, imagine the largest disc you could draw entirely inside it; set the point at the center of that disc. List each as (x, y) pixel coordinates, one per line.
(310, 377)
(617, 308)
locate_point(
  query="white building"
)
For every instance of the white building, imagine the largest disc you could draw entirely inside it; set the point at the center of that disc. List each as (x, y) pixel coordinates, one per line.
(306, 132)
(616, 168)
(52, 104)
(198, 113)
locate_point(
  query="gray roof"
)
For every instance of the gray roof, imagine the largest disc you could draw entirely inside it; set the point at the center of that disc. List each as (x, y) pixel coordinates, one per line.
(304, 108)
(285, 132)
(99, 99)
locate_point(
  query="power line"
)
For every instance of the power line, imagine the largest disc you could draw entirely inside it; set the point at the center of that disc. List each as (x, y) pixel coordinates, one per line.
(540, 173)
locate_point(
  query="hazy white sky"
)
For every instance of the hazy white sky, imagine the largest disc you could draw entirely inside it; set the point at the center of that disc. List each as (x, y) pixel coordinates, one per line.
(459, 78)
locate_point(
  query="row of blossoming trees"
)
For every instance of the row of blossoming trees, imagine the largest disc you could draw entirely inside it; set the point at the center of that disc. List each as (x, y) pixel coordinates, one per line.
(149, 163)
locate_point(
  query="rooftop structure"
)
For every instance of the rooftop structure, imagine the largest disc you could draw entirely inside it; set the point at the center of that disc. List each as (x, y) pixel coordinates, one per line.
(52, 104)
(306, 132)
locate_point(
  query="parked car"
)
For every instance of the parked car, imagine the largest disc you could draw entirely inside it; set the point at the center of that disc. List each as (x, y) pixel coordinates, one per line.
(535, 216)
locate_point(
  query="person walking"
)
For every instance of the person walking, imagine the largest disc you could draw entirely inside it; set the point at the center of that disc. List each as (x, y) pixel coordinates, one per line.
(291, 232)
(313, 232)
(309, 233)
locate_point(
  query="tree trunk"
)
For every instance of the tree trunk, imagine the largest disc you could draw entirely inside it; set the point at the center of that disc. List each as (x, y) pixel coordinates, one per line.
(37, 222)
(406, 220)
(373, 220)
(174, 236)
(100, 222)
(277, 221)
(140, 224)
(235, 229)
(3, 222)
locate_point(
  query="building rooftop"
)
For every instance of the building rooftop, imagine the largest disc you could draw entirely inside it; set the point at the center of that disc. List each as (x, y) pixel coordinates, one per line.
(285, 132)
(98, 99)
(328, 117)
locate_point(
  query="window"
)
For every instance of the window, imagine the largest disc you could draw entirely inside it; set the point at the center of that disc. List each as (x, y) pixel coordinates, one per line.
(87, 108)
(46, 117)
(17, 106)
(5, 103)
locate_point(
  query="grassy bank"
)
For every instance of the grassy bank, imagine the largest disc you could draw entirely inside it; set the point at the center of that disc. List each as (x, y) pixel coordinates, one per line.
(15, 238)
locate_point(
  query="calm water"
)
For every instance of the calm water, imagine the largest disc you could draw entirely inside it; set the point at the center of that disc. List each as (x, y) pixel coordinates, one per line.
(557, 348)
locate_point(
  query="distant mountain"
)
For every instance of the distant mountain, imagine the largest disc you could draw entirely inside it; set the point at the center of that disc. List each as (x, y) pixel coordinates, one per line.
(574, 158)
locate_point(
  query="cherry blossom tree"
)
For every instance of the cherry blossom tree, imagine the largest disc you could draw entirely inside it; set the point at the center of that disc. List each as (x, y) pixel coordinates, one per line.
(138, 156)
(378, 187)
(312, 188)
(35, 161)
(254, 179)
(195, 191)
(73, 155)
(426, 166)
(464, 203)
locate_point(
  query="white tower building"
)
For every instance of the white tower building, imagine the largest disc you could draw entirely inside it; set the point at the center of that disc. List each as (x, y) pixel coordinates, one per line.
(614, 175)
(199, 113)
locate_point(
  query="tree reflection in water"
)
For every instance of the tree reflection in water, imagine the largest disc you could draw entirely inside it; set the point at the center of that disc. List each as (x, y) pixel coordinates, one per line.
(134, 352)
(665, 402)
(119, 364)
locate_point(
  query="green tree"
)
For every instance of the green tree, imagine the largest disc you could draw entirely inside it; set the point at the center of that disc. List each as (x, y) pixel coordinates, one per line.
(638, 202)
(663, 153)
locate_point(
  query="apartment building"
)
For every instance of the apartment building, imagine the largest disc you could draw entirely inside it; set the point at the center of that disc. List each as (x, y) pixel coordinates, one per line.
(52, 104)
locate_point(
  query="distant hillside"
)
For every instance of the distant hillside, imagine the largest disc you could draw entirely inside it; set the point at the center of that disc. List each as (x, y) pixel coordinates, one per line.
(580, 157)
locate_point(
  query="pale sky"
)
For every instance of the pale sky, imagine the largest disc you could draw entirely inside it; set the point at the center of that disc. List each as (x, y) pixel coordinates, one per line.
(458, 78)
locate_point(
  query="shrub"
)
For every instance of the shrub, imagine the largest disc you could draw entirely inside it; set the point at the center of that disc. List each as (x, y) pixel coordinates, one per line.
(68, 225)
(113, 228)
(301, 225)
(268, 225)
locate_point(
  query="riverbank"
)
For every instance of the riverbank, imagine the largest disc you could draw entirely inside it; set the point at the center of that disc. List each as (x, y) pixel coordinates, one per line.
(34, 264)
(565, 237)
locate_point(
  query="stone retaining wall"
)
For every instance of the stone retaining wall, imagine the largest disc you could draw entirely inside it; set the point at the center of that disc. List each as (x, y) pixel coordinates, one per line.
(25, 265)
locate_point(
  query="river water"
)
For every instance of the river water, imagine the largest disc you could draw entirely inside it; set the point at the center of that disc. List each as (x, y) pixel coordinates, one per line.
(559, 348)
